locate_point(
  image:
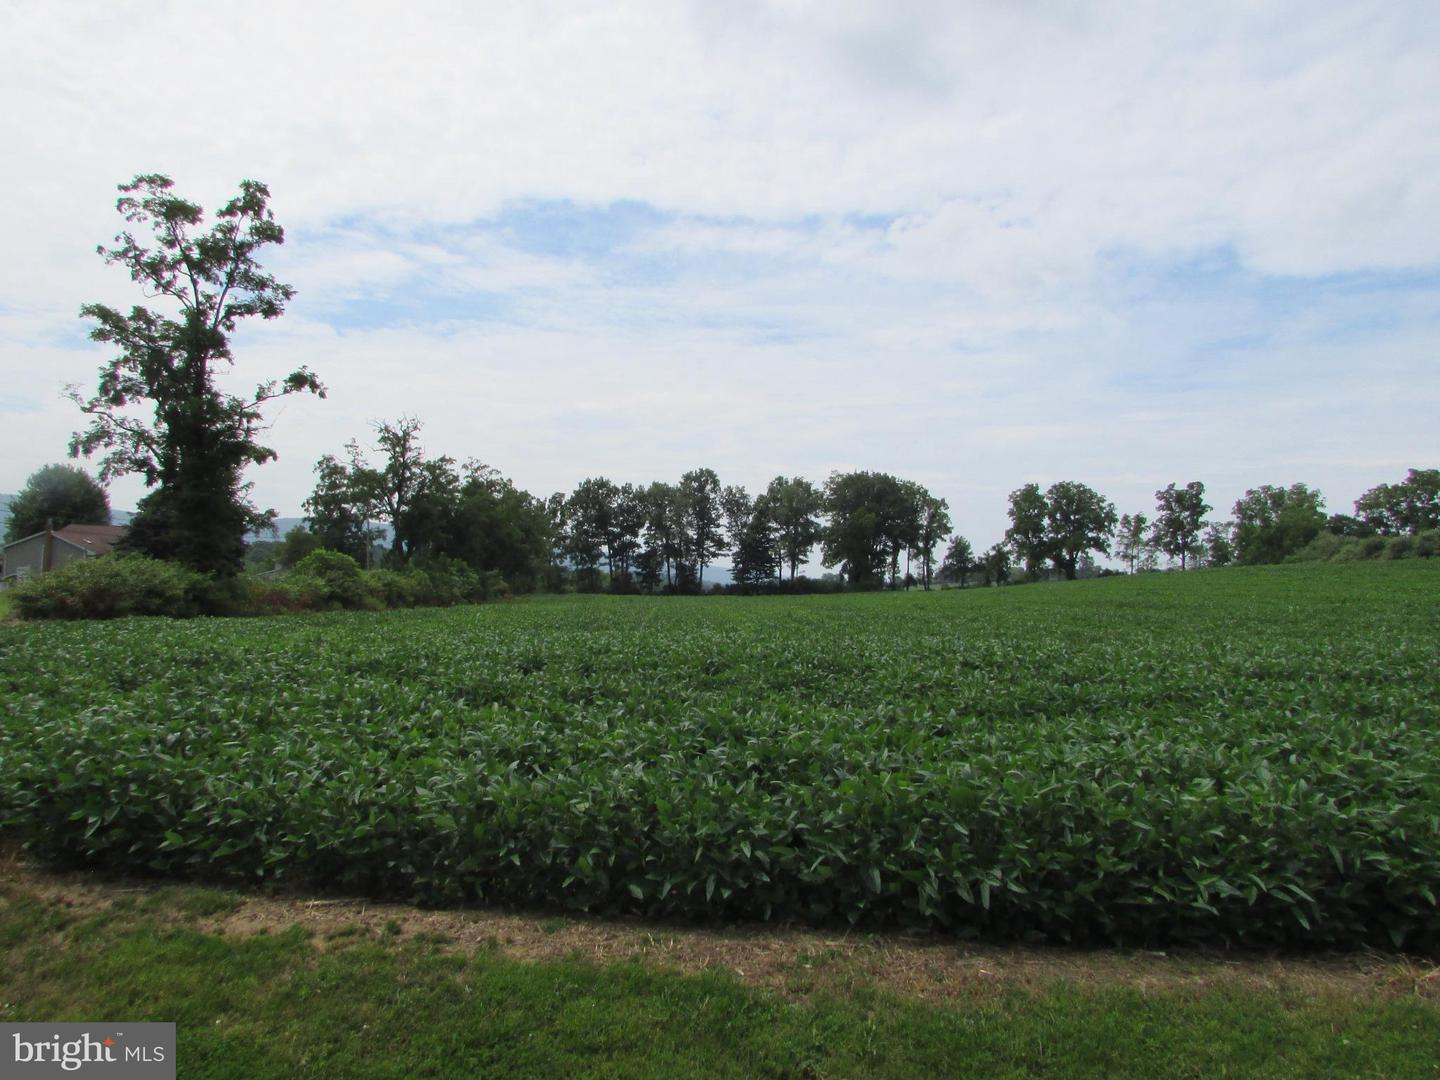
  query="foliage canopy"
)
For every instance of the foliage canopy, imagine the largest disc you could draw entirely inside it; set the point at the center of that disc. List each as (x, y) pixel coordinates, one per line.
(195, 446)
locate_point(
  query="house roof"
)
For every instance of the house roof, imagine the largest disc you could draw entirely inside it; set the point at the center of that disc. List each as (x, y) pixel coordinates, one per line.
(96, 539)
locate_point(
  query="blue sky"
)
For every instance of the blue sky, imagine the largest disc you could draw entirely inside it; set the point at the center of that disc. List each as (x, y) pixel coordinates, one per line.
(974, 245)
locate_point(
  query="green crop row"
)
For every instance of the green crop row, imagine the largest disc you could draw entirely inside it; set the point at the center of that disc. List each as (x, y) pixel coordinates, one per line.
(1246, 757)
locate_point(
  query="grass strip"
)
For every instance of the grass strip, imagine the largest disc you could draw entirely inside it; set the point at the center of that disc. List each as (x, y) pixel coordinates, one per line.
(287, 1004)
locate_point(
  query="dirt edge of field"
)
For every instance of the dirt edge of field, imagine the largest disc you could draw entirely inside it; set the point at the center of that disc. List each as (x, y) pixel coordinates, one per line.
(794, 962)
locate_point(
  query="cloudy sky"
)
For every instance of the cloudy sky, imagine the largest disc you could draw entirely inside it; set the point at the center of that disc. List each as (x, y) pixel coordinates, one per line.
(974, 245)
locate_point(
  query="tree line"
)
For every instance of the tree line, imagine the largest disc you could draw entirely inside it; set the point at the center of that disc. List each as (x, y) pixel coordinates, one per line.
(873, 530)
(396, 505)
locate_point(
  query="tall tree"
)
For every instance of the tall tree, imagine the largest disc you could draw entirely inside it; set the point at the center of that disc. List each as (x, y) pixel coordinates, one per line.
(1412, 505)
(194, 450)
(664, 527)
(496, 526)
(703, 520)
(590, 511)
(903, 527)
(865, 511)
(934, 527)
(1078, 521)
(1274, 522)
(627, 527)
(1219, 550)
(389, 491)
(1028, 534)
(959, 561)
(737, 506)
(795, 506)
(338, 514)
(1179, 519)
(756, 558)
(58, 494)
(1130, 538)
(996, 564)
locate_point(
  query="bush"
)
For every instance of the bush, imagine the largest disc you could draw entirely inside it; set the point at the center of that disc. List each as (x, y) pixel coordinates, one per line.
(324, 580)
(111, 586)
(1327, 547)
(398, 588)
(1398, 547)
(449, 581)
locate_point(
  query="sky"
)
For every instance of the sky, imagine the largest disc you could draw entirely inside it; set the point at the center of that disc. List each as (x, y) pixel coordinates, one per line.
(973, 245)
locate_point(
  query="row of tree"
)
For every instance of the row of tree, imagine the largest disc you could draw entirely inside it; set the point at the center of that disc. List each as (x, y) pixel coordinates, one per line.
(1069, 522)
(652, 537)
(872, 528)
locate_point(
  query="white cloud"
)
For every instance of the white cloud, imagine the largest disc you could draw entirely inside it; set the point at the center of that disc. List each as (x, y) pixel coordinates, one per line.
(889, 232)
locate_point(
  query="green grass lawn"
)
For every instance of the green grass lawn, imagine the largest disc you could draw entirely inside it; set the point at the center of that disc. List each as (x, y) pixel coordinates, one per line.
(283, 1003)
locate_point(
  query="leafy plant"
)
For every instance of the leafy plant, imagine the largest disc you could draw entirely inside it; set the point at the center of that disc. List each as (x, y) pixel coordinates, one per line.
(1249, 757)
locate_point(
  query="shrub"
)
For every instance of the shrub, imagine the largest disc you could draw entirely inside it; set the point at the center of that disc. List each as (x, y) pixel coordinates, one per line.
(1372, 547)
(449, 581)
(112, 586)
(1326, 547)
(398, 588)
(327, 579)
(1398, 547)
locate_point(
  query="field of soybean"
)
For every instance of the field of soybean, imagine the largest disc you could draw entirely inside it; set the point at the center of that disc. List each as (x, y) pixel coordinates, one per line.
(1236, 757)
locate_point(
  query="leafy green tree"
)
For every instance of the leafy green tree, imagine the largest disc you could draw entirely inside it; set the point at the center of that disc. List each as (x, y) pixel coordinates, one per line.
(1029, 533)
(1219, 549)
(496, 526)
(60, 494)
(755, 553)
(589, 513)
(738, 508)
(627, 527)
(996, 565)
(609, 518)
(557, 570)
(337, 513)
(795, 507)
(703, 520)
(934, 527)
(959, 561)
(1179, 519)
(866, 513)
(586, 522)
(1345, 525)
(1411, 506)
(1272, 522)
(194, 451)
(664, 531)
(429, 527)
(1078, 520)
(389, 492)
(756, 558)
(1130, 539)
(649, 564)
(298, 543)
(1421, 507)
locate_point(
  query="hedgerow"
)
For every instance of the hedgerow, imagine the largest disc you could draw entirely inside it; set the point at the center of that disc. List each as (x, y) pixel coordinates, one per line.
(113, 586)
(1245, 757)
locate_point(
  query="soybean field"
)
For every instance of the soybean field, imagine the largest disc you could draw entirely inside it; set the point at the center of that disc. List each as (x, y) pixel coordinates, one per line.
(1245, 757)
